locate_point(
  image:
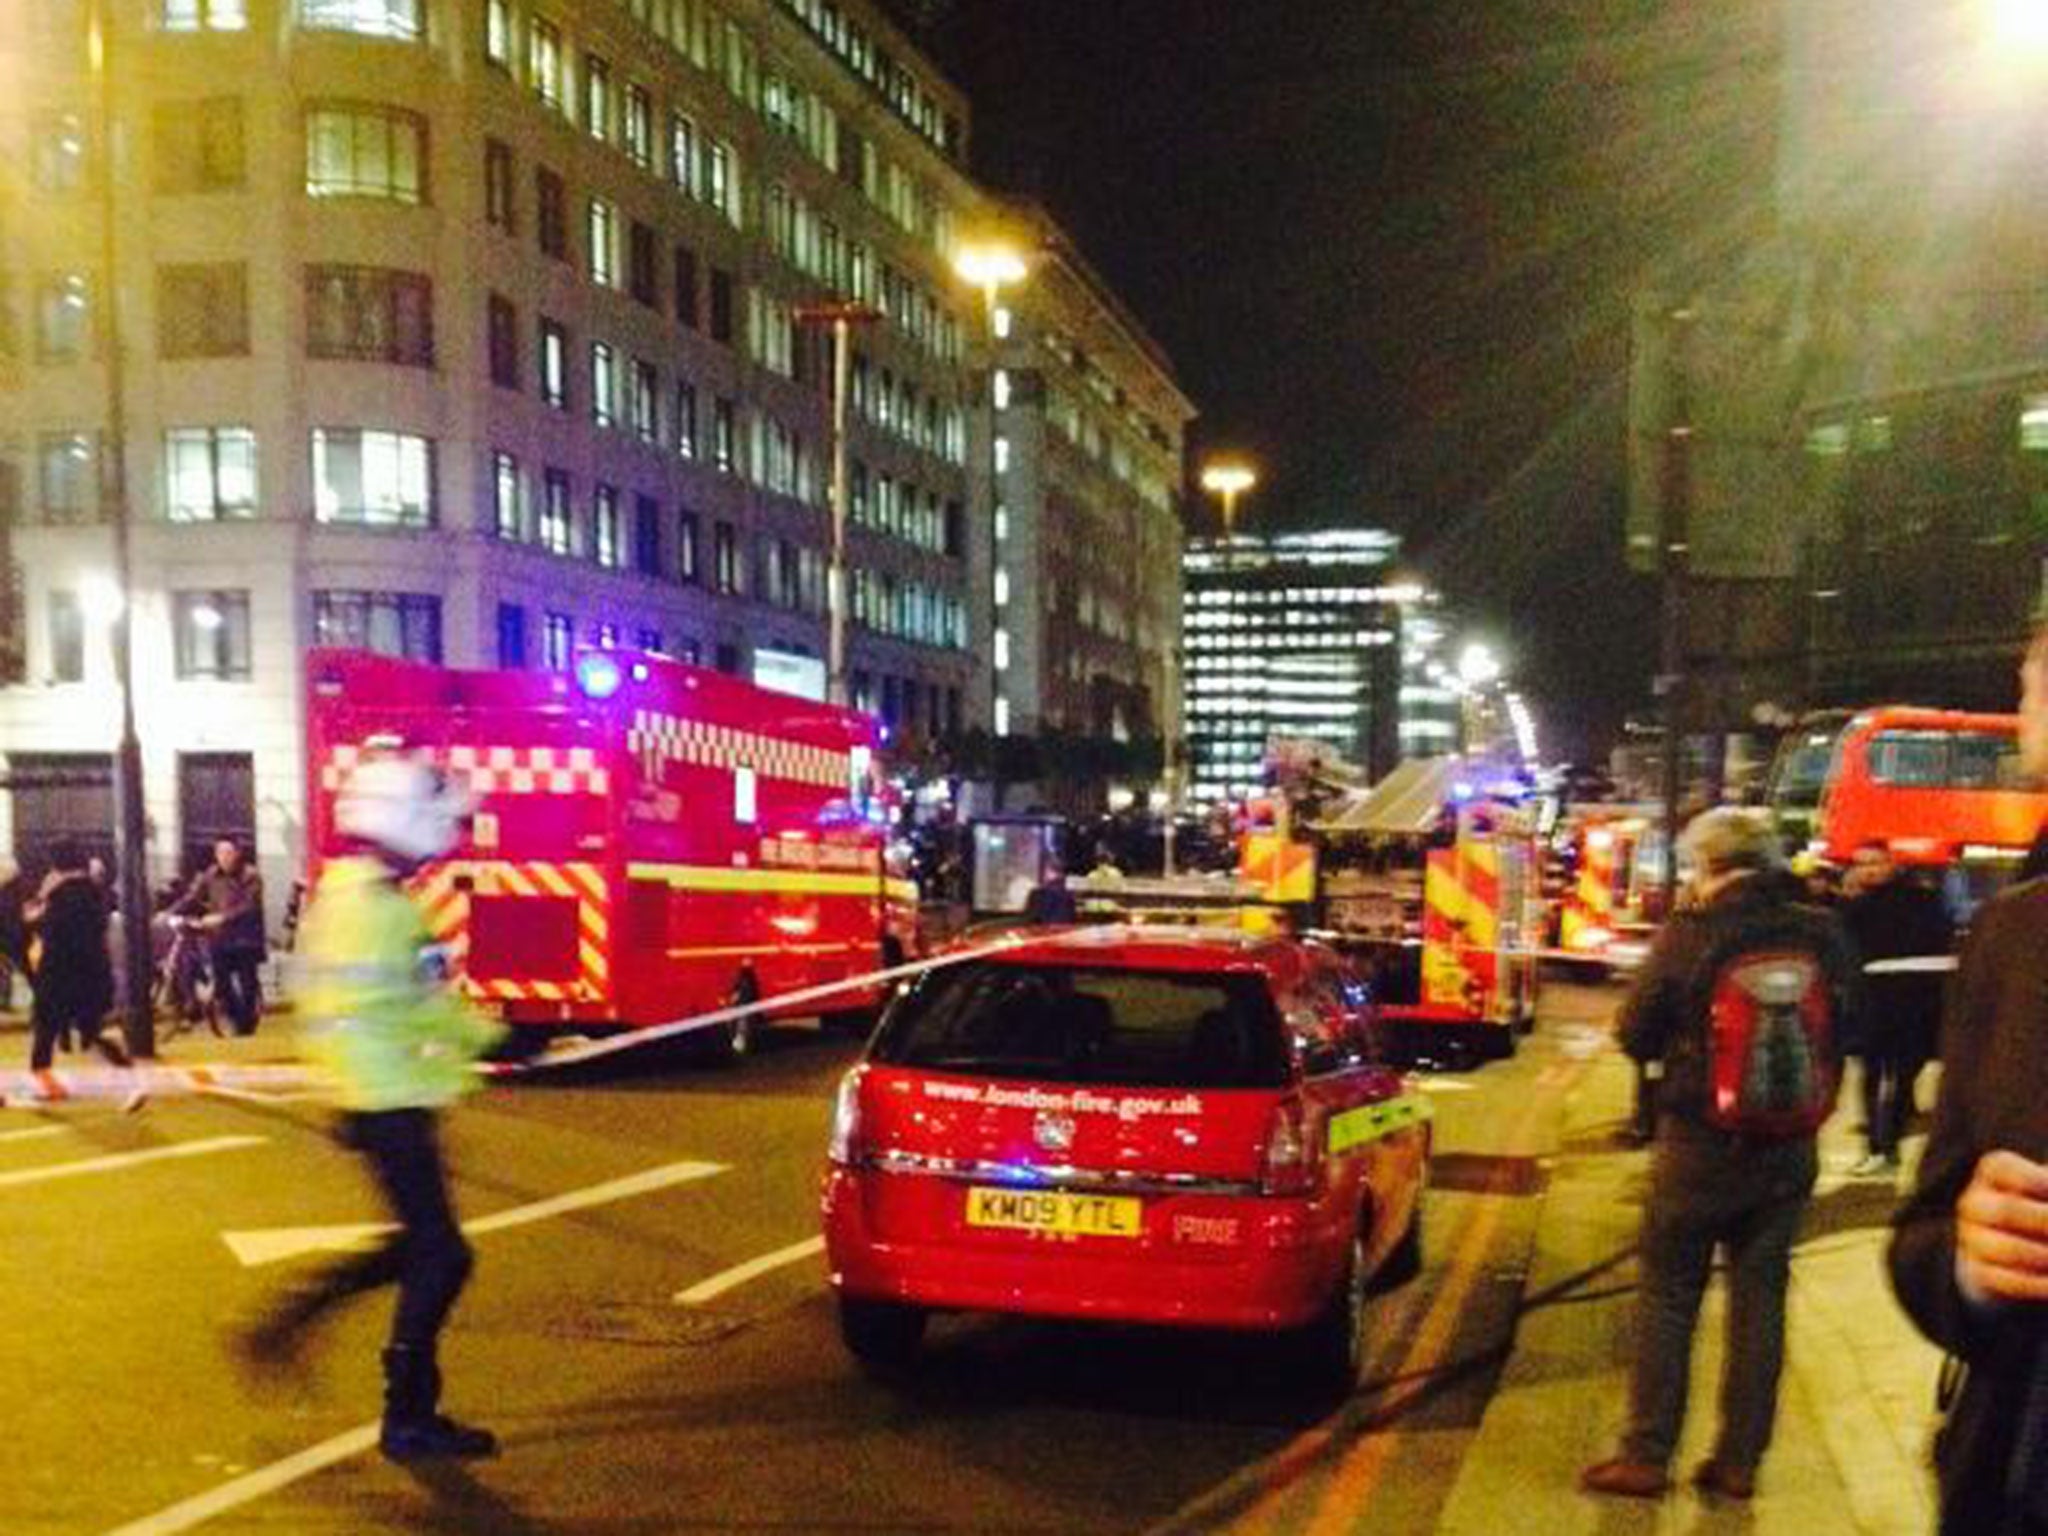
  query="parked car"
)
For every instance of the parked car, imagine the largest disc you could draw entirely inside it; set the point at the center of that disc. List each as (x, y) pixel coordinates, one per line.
(1168, 1126)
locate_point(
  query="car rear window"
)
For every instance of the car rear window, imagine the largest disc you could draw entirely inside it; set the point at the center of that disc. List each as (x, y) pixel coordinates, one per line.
(1073, 1024)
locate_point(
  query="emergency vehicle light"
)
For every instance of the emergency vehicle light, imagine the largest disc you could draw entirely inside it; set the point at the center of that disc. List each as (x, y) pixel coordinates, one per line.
(598, 675)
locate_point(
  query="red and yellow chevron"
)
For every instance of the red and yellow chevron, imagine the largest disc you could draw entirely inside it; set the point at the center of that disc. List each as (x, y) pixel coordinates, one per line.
(444, 891)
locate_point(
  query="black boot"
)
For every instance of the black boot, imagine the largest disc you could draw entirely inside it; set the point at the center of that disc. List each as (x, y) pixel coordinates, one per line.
(413, 1430)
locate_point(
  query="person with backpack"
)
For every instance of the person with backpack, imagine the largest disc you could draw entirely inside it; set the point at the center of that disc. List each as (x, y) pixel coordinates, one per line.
(1744, 1000)
(1969, 1249)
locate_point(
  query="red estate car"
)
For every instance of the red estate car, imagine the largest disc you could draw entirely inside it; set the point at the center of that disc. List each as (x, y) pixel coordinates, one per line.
(1154, 1126)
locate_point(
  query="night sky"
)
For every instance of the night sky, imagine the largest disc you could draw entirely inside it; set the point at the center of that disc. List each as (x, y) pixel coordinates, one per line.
(1390, 248)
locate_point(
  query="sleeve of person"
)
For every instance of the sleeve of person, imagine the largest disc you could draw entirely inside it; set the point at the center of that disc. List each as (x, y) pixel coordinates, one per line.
(1923, 1246)
(1650, 1014)
(1845, 965)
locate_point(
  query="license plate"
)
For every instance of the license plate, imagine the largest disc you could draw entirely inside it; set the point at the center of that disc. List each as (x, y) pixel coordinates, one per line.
(1061, 1212)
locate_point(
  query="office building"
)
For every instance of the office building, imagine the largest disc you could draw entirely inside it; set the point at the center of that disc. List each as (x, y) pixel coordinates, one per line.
(1294, 635)
(468, 330)
(1081, 546)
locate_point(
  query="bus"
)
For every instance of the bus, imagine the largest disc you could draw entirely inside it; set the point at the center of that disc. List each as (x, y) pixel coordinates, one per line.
(1941, 788)
(649, 841)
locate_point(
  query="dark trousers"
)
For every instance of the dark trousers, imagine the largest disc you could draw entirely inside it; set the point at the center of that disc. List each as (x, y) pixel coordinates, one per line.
(56, 1020)
(1709, 1192)
(237, 980)
(427, 1257)
(1889, 1075)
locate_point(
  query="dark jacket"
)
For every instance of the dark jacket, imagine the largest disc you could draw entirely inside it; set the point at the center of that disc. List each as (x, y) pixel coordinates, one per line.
(1051, 902)
(73, 973)
(1666, 1017)
(1900, 919)
(236, 898)
(1994, 1095)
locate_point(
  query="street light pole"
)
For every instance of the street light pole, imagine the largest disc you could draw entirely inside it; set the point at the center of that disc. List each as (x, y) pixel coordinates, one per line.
(841, 318)
(1226, 479)
(132, 823)
(1674, 519)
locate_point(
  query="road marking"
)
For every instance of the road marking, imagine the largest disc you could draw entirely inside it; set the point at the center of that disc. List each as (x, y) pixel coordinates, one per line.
(252, 1486)
(1444, 1085)
(740, 1274)
(268, 1245)
(33, 1132)
(115, 1161)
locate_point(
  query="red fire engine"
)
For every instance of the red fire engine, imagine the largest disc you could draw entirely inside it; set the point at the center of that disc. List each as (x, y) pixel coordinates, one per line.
(650, 840)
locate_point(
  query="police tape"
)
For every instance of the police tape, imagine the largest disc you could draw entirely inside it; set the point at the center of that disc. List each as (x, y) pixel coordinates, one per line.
(36, 1087)
(783, 1002)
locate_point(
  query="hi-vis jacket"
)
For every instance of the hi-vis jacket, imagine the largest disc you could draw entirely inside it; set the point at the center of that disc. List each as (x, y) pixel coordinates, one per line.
(379, 1017)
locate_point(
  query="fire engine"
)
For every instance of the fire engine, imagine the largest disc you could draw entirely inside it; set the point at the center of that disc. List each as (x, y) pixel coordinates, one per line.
(650, 840)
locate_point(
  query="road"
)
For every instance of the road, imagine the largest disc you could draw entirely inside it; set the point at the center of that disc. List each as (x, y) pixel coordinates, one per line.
(135, 1244)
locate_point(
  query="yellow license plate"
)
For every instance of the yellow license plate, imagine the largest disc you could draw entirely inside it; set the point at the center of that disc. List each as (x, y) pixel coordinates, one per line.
(1061, 1212)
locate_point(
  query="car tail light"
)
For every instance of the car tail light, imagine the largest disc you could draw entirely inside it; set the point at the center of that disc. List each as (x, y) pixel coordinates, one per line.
(845, 1148)
(1293, 1164)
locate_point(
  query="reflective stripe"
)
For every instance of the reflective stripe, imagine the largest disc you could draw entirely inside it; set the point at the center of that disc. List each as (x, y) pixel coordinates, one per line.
(1371, 1122)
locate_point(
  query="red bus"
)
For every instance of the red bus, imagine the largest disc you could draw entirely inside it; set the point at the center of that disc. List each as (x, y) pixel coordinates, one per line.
(650, 840)
(1939, 787)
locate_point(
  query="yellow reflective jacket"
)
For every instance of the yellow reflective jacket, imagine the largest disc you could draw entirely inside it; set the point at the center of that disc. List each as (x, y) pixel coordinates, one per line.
(378, 1015)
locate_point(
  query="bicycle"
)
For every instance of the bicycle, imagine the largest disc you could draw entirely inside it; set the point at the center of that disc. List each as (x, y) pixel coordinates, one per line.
(185, 988)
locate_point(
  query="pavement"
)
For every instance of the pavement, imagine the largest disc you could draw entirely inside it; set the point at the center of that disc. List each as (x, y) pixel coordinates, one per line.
(1855, 1411)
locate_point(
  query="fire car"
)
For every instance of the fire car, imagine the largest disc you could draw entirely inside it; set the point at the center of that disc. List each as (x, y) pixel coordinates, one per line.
(1168, 1126)
(651, 840)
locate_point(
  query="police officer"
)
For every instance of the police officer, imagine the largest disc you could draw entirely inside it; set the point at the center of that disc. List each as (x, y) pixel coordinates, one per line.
(399, 1044)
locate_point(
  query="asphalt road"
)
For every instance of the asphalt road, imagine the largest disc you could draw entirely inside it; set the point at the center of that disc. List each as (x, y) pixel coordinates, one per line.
(133, 1245)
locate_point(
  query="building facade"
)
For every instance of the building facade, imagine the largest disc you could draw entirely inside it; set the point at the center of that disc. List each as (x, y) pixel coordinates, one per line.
(1293, 635)
(467, 330)
(1863, 491)
(1082, 438)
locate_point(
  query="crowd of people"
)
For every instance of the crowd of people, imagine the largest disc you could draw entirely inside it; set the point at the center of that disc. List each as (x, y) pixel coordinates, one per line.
(1757, 990)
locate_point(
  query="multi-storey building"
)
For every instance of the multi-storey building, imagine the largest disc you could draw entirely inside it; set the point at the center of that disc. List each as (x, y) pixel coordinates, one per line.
(1292, 635)
(465, 330)
(1082, 544)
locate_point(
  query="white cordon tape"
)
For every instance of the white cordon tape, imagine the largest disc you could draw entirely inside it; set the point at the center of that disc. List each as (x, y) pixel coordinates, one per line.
(591, 1050)
(57, 1086)
(1912, 965)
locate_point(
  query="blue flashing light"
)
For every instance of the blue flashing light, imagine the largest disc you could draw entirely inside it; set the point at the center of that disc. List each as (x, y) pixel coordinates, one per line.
(1461, 790)
(598, 675)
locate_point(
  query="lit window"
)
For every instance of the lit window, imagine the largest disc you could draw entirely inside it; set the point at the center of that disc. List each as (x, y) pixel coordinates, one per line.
(68, 477)
(369, 314)
(498, 34)
(604, 516)
(66, 618)
(637, 128)
(367, 18)
(505, 509)
(557, 641)
(1002, 587)
(646, 393)
(557, 522)
(604, 373)
(1001, 320)
(554, 364)
(604, 243)
(366, 151)
(210, 635)
(63, 317)
(544, 62)
(204, 15)
(1002, 716)
(406, 624)
(384, 478)
(1001, 388)
(597, 98)
(1002, 524)
(209, 474)
(2034, 424)
(1002, 650)
(1002, 455)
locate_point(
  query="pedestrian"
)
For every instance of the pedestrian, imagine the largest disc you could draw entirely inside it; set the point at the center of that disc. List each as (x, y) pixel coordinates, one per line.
(227, 899)
(1740, 999)
(1969, 1251)
(400, 1044)
(73, 980)
(14, 898)
(1050, 900)
(1902, 928)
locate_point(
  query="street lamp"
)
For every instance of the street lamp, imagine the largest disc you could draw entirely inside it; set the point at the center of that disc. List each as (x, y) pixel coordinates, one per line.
(1478, 666)
(2018, 24)
(992, 266)
(131, 819)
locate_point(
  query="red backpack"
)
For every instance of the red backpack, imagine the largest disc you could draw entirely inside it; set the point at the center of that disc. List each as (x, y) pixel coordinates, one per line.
(1772, 1067)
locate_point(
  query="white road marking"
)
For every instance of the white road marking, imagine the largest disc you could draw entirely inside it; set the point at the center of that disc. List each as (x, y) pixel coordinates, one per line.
(268, 1245)
(251, 1486)
(1444, 1085)
(114, 1161)
(33, 1132)
(740, 1274)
